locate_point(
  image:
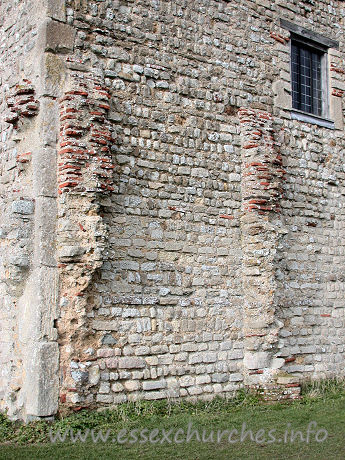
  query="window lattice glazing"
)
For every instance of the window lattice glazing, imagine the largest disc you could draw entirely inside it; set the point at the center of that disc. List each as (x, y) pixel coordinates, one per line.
(306, 79)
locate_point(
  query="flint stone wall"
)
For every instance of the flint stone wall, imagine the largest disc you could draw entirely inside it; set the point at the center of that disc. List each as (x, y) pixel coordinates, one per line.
(197, 235)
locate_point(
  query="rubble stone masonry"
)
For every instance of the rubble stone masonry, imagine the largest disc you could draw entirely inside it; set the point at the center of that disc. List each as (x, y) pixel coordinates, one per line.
(168, 229)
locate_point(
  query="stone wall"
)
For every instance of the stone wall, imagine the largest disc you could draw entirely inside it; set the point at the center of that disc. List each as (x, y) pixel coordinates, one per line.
(195, 228)
(18, 123)
(28, 271)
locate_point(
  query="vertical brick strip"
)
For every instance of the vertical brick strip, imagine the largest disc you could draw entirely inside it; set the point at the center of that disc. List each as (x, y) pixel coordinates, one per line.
(85, 162)
(261, 188)
(85, 177)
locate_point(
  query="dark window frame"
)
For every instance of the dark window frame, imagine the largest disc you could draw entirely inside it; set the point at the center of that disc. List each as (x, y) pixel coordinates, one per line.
(309, 77)
(322, 43)
(308, 84)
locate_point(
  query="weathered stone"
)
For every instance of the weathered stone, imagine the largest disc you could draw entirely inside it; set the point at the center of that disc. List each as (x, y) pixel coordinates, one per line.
(256, 360)
(25, 207)
(112, 363)
(94, 375)
(105, 325)
(108, 339)
(132, 385)
(56, 9)
(117, 387)
(59, 37)
(42, 387)
(287, 379)
(153, 384)
(70, 252)
(131, 362)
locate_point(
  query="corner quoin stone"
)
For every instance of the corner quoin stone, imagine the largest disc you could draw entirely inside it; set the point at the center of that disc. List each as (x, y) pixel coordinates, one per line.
(59, 37)
(56, 9)
(42, 381)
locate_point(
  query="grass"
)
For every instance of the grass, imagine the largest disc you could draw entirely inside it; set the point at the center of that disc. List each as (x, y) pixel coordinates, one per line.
(322, 403)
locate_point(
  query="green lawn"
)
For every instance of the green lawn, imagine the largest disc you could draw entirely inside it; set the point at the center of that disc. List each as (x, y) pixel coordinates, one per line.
(326, 407)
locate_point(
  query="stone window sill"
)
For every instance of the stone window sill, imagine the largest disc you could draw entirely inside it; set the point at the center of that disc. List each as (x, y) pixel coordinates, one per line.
(313, 119)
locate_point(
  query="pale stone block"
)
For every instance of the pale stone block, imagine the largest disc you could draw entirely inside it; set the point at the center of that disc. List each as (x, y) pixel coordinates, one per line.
(256, 360)
(56, 9)
(59, 37)
(132, 385)
(42, 383)
(94, 375)
(153, 384)
(131, 362)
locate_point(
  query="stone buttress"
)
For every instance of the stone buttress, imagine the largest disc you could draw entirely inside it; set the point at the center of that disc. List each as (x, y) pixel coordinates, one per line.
(262, 229)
